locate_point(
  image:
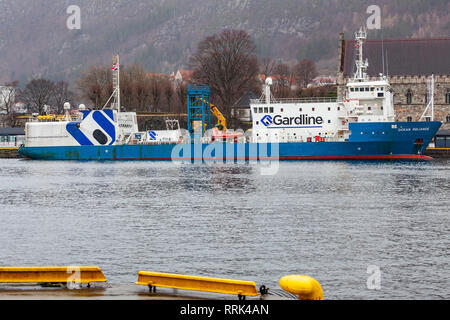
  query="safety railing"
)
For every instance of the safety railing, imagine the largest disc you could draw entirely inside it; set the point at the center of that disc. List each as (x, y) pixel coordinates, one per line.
(295, 100)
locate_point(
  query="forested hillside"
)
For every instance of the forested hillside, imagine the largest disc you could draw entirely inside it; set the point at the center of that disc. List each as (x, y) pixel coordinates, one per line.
(162, 34)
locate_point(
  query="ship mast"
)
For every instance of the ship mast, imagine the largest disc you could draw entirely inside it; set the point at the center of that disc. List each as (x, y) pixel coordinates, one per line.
(430, 107)
(115, 104)
(361, 64)
(116, 82)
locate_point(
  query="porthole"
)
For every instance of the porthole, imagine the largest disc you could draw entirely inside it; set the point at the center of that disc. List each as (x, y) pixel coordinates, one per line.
(100, 137)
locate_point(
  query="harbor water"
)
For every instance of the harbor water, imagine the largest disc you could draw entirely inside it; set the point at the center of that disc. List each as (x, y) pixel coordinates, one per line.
(334, 221)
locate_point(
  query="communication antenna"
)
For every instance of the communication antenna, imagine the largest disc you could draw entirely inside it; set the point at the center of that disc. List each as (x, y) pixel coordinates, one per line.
(387, 63)
(267, 94)
(382, 50)
(66, 107)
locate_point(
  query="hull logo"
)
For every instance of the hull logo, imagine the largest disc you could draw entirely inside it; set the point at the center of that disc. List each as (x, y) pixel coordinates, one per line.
(103, 120)
(301, 121)
(267, 120)
(152, 135)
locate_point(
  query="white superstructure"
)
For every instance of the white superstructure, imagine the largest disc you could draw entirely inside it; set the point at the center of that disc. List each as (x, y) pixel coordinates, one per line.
(324, 119)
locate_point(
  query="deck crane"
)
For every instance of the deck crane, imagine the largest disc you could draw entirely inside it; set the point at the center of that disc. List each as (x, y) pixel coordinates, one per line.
(198, 102)
(222, 122)
(220, 130)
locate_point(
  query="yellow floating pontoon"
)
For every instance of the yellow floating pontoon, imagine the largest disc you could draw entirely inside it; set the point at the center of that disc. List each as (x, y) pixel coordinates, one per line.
(82, 275)
(185, 282)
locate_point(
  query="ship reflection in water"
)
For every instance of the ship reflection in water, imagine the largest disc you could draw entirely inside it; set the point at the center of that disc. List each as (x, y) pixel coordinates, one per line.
(330, 220)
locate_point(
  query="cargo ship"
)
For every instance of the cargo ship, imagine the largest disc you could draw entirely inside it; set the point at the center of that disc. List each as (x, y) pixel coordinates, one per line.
(360, 126)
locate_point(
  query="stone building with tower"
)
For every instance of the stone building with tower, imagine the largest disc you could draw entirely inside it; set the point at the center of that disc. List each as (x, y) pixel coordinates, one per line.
(409, 65)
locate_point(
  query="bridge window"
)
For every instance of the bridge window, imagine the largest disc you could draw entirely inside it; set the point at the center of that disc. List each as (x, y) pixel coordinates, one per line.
(352, 89)
(367, 89)
(271, 109)
(266, 109)
(409, 97)
(255, 110)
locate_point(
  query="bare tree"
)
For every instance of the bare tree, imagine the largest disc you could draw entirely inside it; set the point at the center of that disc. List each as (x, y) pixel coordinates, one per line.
(267, 66)
(305, 71)
(168, 93)
(139, 90)
(134, 87)
(62, 94)
(8, 101)
(96, 85)
(228, 64)
(181, 93)
(156, 93)
(38, 93)
(142, 94)
(284, 76)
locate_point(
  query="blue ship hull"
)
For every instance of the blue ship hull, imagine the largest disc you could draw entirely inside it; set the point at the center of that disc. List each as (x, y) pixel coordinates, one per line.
(368, 141)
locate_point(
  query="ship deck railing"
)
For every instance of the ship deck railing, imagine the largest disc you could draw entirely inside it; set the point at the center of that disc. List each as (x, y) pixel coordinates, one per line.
(8, 145)
(296, 100)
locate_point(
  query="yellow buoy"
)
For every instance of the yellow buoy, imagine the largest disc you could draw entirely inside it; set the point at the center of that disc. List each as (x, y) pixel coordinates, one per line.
(305, 287)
